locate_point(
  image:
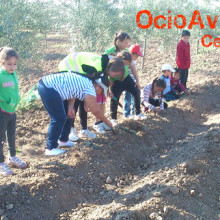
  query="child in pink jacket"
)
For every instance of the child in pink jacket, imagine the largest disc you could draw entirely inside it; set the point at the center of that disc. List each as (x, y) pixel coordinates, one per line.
(175, 82)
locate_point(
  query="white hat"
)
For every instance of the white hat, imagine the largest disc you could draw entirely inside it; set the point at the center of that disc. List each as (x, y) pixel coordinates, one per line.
(103, 84)
(168, 67)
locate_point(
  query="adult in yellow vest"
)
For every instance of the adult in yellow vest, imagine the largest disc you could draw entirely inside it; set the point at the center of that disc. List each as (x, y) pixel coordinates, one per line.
(90, 64)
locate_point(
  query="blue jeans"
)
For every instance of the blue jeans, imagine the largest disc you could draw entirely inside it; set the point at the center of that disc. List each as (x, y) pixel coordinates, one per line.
(128, 103)
(171, 96)
(60, 125)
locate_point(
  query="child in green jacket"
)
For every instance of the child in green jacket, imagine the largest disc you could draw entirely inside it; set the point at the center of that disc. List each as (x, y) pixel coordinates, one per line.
(9, 99)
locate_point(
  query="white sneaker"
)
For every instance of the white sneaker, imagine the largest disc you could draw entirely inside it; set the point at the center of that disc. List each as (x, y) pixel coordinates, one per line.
(114, 122)
(66, 144)
(129, 117)
(5, 169)
(140, 117)
(73, 136)
(54, 152)
(105, 126)
(99, 128)
(87, 133)
(16, 162)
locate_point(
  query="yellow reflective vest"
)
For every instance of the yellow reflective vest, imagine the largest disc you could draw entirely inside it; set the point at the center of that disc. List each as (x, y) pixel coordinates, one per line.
(74, 62)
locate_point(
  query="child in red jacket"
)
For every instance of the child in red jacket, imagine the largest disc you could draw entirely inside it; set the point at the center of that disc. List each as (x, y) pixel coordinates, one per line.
(183, 56)
(175, 82)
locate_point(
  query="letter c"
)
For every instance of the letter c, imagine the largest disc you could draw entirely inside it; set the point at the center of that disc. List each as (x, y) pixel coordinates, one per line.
(156, 24)
(203, 40)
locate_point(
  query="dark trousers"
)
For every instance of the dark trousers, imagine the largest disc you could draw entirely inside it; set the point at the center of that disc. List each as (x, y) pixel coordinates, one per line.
(154, 102)
(120, 86)
(82, 113)
(184, 76)
(60, 125)
(177, 88)
(171, 96)
(7, 126)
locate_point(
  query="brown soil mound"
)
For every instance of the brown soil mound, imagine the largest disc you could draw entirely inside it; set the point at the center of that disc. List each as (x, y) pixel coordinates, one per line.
(168, 170)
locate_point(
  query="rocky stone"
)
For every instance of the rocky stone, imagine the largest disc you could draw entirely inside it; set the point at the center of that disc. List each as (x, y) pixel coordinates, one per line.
(108, 180)
(174, 190)
(121, 182)
(192, 192)
(200, 195)
(157, 194)
(102, 193)
(102, 175)
(10, 206)
(155, 216)
(4, 217)
(1, 211)
(77, 155)
(165, 210)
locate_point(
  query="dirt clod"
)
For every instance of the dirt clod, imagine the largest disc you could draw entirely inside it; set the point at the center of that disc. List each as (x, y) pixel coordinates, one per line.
(108, 180)
(174, 190)
(155, 216)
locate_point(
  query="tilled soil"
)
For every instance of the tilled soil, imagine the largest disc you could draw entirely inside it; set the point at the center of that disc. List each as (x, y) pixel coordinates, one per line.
(168, 170)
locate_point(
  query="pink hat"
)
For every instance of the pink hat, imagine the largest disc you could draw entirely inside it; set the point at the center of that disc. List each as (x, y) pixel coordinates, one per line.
(135, 48)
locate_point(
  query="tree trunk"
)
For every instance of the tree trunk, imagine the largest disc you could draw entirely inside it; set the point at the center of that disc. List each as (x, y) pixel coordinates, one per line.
(144, 55)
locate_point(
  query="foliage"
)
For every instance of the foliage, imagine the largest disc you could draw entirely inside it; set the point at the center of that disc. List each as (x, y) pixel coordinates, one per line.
(29, 100)
(21, 22)
(91, 24)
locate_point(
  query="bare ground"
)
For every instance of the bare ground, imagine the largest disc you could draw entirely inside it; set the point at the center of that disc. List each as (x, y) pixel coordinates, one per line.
(170, 170)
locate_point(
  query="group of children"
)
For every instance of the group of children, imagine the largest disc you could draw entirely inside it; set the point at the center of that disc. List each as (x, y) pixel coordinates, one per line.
(81, 83)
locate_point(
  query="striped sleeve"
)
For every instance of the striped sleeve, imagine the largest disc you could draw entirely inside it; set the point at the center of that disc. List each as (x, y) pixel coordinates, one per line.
(147, 92)
(89, 89)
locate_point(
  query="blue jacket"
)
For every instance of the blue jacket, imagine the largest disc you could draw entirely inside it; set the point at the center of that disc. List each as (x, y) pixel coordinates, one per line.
(169, 87)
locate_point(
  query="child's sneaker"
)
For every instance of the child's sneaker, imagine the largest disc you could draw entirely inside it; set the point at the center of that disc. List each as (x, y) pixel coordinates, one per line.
(5, 169)
(54, 152)
(73, 136)
(87, 133)
(140, 117)
(105, 126)
(66, 144)
(128, 117)
(99, 128)
(114, 122)
(16, 162)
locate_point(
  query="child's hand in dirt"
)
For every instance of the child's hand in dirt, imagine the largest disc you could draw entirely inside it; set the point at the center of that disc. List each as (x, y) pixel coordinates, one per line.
(114, 132)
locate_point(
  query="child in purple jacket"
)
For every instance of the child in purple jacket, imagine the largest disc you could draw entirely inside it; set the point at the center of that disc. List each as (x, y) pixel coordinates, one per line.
(175, 82)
